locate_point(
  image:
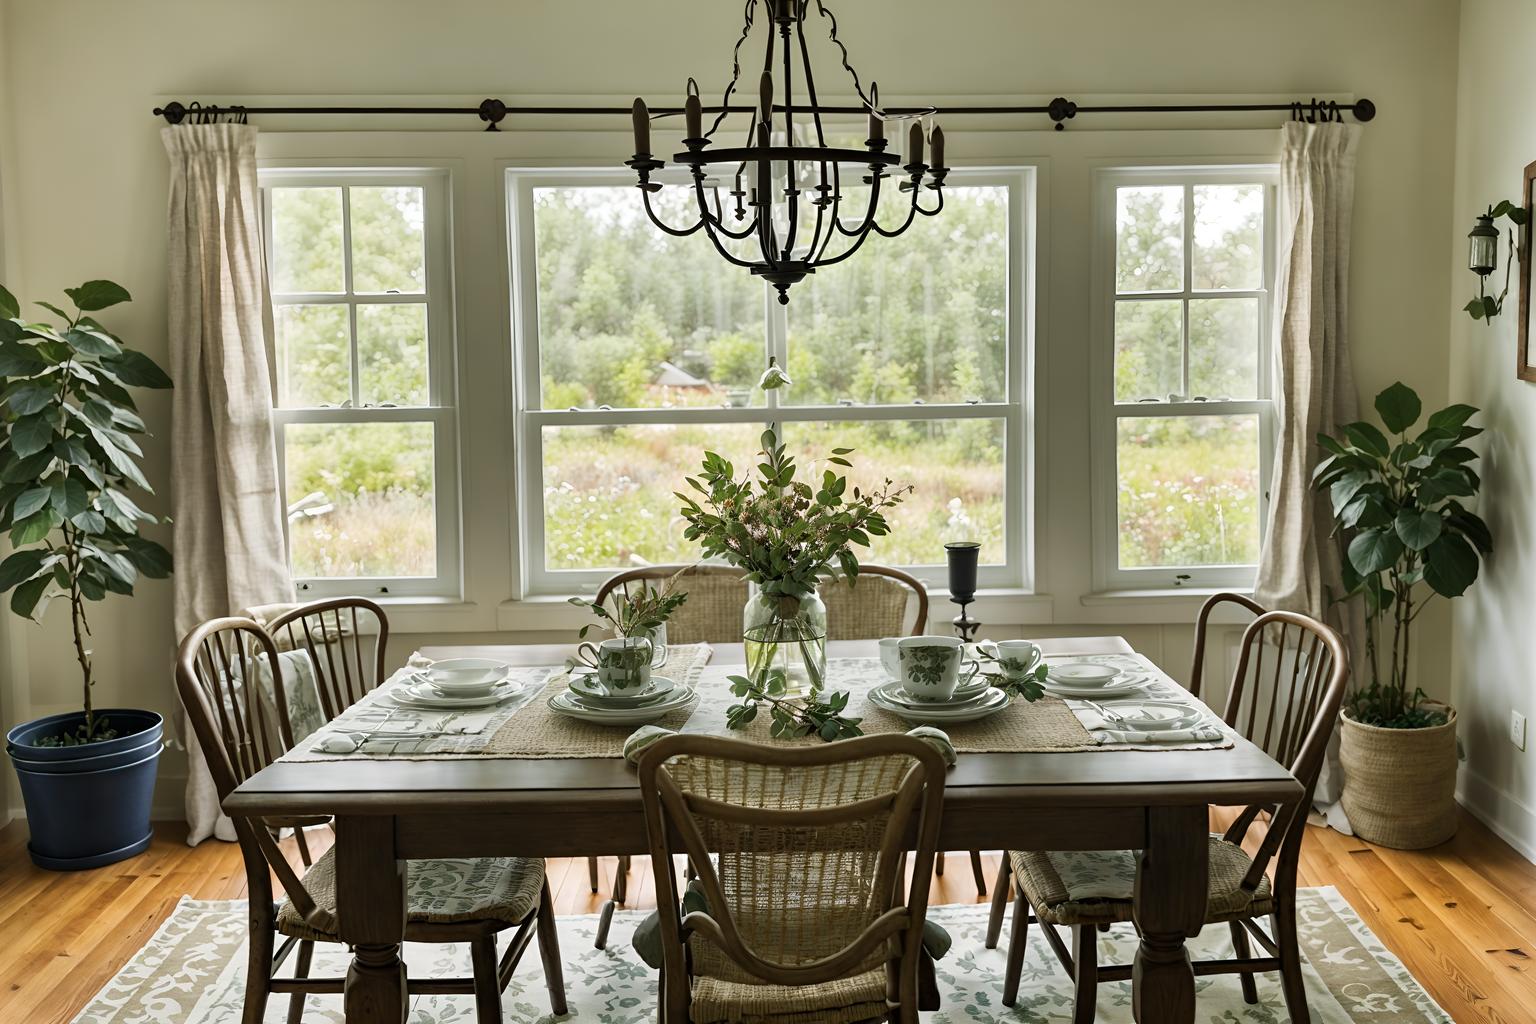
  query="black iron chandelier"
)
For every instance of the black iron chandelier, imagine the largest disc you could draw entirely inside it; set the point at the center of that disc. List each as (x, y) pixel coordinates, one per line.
(791, 208)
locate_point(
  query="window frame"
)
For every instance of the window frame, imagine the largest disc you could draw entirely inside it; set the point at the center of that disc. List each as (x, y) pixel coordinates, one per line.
(1014, 410)
(441, 409)
(1107, 410)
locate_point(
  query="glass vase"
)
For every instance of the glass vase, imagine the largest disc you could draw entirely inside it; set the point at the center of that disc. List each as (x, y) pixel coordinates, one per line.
(786, 643)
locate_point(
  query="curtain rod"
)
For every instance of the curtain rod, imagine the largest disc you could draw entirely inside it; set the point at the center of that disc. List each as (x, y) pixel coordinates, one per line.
(1060, 110)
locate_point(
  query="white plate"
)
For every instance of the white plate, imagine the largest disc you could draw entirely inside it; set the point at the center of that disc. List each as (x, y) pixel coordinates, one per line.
(563, 704)
(994, 701)
(585, 685)
(895, 693)
(1153, 715)
(1119, 688)
(420, 695)
(1083, 674)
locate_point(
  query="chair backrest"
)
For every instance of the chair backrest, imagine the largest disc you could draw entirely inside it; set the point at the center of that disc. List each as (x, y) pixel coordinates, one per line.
(1285, 698)
(875, 604)
(218, 667)
(1202, 622)
(799, 852)
(716, 597)
(345, 638)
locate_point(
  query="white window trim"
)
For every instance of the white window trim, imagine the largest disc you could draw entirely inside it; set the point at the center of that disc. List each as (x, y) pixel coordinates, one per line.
(442, 410)
(1013, 410)
(1105, 411)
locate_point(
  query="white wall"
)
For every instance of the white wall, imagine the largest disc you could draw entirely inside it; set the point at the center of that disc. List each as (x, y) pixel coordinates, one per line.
(1494, 643)
(85, 179)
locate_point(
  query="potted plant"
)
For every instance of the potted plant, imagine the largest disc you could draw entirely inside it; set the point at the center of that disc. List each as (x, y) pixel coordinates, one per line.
(1398, 505)
(68, 462)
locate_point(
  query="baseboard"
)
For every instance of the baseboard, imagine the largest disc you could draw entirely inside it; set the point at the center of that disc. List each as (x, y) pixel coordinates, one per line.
(1507, 817)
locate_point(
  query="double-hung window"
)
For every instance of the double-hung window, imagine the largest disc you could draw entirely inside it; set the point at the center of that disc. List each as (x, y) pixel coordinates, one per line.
(363, 364)
(1184, 419)
(638, 351)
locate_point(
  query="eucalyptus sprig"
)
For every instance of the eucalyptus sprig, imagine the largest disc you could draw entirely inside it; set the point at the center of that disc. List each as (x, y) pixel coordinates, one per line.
(636, 614)
(792, 717)
(1026, 687)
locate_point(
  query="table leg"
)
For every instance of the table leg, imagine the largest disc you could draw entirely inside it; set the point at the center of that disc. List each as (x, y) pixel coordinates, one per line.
(1171, 884)
(370, 907)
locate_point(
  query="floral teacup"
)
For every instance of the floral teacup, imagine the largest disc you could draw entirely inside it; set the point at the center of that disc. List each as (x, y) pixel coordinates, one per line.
(623, 664)
(930, 667)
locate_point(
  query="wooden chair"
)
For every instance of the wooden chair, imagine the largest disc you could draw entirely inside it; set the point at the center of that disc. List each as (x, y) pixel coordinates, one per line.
(797, 913)
(875, 605)
(712, 614)
(466, 900)
(1202, 623)
(1308, 666)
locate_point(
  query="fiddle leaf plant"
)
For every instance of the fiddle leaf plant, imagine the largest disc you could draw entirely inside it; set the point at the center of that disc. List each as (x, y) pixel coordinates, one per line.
(68, 465)
(1400, 513)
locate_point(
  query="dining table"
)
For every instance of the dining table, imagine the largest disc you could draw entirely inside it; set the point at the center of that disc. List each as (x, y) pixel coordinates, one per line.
(390, 811)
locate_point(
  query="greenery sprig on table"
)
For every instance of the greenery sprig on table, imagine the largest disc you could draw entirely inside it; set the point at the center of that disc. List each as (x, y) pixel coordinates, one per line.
(804, 716)
(640, 613)
(67, 462)
(1029, 687)
(1398, 510)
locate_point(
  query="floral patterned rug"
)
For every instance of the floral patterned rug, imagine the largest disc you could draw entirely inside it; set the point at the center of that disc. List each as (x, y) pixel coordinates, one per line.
(192, 970)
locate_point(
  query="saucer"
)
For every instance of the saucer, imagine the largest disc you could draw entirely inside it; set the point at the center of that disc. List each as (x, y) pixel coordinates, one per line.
(894, 693)
(1083, 674)
(572, 706)
(991, 702)
(424, 695)
(1126, 684)
(587, 687)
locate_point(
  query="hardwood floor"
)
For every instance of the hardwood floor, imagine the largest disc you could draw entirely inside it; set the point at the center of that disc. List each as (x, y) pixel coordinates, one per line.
(1461, 916)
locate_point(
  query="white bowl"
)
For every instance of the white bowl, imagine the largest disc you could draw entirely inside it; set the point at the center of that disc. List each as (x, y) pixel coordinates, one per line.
(1083, 674)
(465, 677)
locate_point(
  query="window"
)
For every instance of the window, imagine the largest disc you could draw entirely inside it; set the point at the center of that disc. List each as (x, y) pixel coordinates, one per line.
(363, 365)
(1184, 418)
(638, 350)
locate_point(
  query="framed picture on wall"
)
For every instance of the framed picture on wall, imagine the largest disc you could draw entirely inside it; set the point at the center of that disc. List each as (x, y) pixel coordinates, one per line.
(1526, 368)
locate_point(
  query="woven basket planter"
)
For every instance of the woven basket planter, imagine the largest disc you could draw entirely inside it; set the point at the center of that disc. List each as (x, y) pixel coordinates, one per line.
(1400, 784)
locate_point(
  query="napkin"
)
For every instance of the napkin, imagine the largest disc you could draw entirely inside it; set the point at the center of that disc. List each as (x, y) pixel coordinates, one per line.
(1199, 734)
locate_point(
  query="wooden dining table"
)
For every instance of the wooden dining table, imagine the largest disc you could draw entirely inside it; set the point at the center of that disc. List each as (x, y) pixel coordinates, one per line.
(388, 812)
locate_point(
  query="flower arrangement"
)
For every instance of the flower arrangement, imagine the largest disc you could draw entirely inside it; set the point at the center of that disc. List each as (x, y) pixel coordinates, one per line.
(640, 613)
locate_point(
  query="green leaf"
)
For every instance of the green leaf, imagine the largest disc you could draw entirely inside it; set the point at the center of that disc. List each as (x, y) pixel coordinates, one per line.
(1451, 566)
(1368, 438)
(1399, 407)
(22, 566)
(90, 343)
(33, 398)
(1373, 551)
(94, 295)
(1346, 487)
(1418, 530)
(55, 310)
(1470, 526)
(8, 304)
(1452, 417)
(18, 360)
(135, 369)
(24, 599)
(31, 434)
(30, 501)
(27, 469)
(33, 529)
(1475, 307)
(70, 498)
(1490, 307)
(151, 559)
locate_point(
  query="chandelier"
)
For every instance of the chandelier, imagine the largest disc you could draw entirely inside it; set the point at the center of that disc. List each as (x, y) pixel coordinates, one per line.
(789, 221)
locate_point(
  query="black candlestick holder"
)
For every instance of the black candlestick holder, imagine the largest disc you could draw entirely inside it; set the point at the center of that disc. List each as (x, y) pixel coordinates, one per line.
(962, 557)
(965, 626)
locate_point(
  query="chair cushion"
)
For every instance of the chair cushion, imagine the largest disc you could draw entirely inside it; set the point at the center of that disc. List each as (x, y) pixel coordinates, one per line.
(437, 892)
(1095, 887)
(844, 1001)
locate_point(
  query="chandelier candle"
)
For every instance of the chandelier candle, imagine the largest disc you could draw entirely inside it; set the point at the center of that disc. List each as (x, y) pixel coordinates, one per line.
(827, 204)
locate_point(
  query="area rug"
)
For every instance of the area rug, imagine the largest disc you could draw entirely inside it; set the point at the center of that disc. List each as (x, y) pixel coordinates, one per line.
(192, 970)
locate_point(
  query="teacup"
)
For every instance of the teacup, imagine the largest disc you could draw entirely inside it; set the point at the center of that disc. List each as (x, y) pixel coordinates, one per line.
(622, 664)
(929, 667)
(658, 639)
(1014, 660)
(889, 660)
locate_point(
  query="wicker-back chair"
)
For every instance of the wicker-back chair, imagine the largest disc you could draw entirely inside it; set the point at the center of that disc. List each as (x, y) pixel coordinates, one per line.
(1202, 625)
(716, 596)
(1284, 697)
(797, 913)
(345, 638)
(875, 605)
(470, 900)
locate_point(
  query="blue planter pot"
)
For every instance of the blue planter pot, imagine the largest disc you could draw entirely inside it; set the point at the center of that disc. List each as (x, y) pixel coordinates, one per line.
(88, 805)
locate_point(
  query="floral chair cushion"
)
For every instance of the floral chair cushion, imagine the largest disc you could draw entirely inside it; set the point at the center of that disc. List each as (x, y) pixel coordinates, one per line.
(437, 892)
(1095, 887)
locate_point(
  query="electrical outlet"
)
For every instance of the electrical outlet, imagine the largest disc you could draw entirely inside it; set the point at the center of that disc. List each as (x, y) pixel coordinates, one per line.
(1517, 729)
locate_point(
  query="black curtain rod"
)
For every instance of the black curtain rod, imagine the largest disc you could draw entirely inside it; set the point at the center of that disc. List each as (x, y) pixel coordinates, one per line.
(1060, 110)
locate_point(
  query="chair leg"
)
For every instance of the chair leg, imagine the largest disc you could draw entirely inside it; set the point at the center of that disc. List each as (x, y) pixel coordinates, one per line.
(258, 970)
(300, 970)
(999, 903)
(979, 873)
(298, 836)
(1291, 979)
(1086, 961)
(549, 952)
(1018, 942)
(621, 881)
(592, 872)
(482, 953)
(604, 920)
(1243, 951)
(938, 862)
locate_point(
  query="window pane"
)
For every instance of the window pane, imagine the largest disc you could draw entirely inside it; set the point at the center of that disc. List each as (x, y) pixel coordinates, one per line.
(1224, 348)
(306, 240)
(1149, 238)
(388, 240)
(920, 316)
(373, 499)
(392, 353)
(1188, 490)
(1229, 237)
(1149, 349)
(314, 356)
(633, 318)
(945, 461)
(608, 491)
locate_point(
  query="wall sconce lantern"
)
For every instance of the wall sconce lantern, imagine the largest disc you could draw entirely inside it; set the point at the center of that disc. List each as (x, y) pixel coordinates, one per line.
(1483, 257)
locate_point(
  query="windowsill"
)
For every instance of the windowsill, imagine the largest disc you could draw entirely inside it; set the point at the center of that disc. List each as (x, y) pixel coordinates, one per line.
(1143, 594)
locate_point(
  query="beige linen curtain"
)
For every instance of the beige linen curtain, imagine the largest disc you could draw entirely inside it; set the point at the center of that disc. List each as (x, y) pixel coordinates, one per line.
(228, 508)
(1299, 567)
